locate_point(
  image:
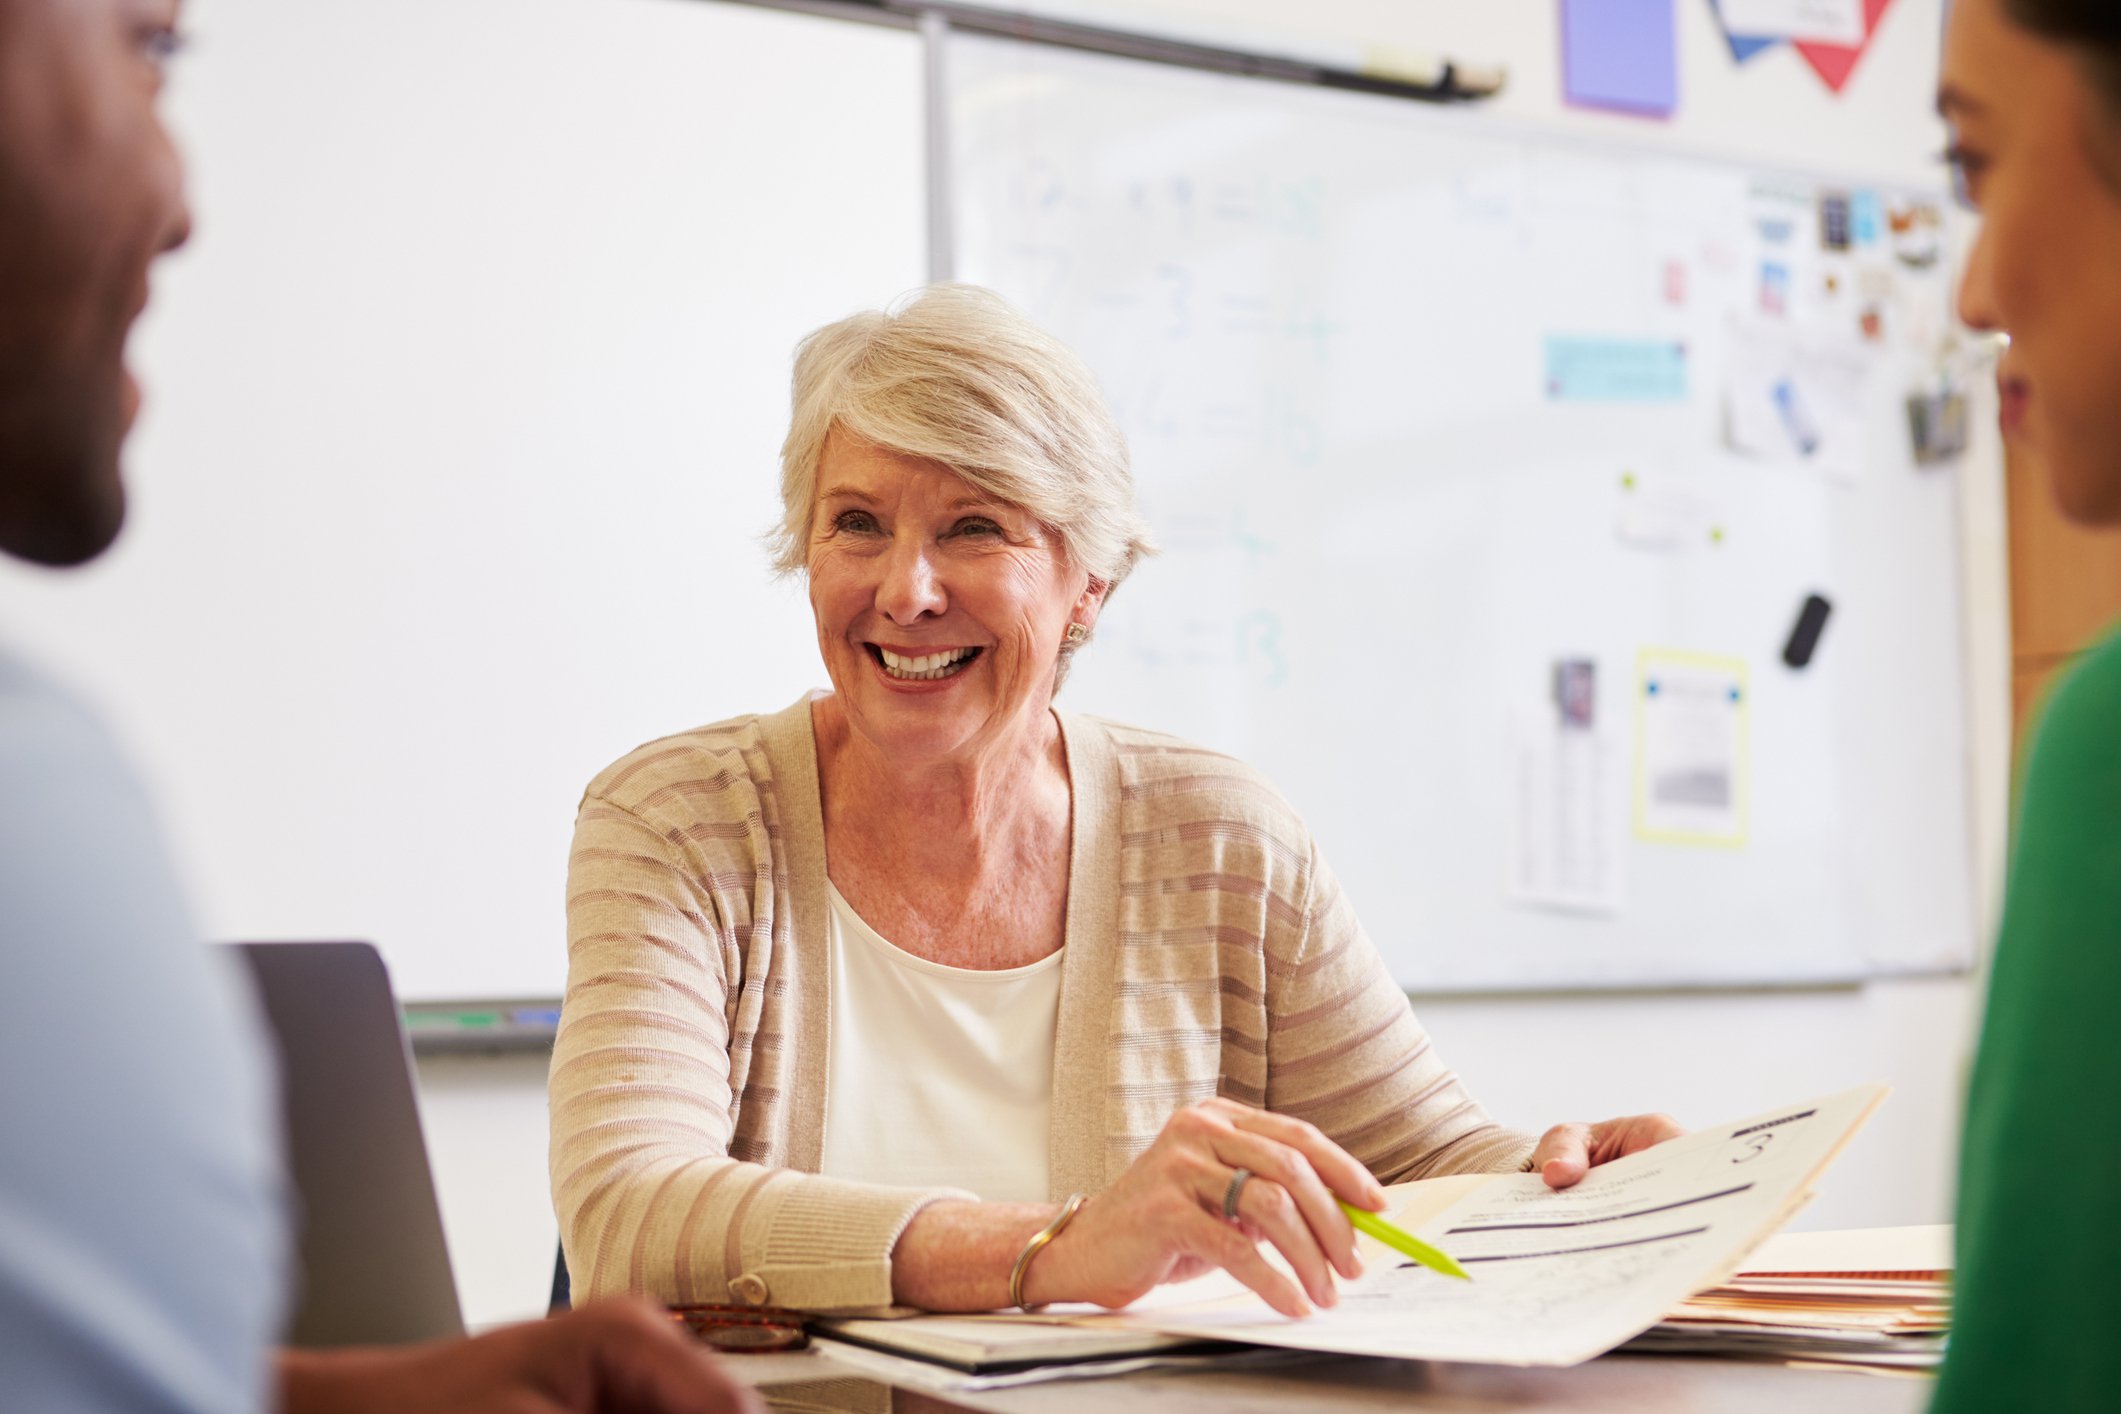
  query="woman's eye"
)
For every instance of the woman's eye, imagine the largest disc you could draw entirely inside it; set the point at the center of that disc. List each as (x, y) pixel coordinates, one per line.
(1967, 168)
(977, 528)
(160, 44)
(854, 522)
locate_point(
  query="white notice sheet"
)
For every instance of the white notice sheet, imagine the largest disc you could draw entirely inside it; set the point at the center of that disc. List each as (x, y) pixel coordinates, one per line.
(1818, 21)
(1691, 769)
(1561, 1277)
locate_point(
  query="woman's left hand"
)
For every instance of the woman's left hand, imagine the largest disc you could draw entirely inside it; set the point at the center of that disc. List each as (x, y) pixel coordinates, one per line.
(1569, 1151)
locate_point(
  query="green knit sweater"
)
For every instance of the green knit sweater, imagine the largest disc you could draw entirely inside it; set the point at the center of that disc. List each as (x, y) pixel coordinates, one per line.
(2038, 1305)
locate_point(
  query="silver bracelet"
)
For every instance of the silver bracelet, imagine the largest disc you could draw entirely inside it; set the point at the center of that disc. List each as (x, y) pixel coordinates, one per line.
(1043, 1236)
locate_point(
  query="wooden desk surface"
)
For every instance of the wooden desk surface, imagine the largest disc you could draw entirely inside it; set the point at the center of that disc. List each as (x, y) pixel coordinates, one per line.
(1635, 1384)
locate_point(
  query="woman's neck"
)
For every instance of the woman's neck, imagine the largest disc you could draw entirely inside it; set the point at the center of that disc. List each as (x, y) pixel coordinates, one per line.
(951, 818)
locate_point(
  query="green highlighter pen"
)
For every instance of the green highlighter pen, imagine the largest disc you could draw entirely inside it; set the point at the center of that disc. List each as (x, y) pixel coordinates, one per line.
(1434, 1258)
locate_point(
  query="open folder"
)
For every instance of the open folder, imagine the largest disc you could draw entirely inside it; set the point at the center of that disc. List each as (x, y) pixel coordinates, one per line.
(1558, 1277)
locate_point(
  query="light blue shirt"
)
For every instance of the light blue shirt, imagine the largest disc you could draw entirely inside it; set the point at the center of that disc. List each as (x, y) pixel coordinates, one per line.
(144, 1253)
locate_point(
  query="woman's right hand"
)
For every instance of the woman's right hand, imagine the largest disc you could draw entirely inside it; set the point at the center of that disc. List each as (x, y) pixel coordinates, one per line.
(1162, 1221)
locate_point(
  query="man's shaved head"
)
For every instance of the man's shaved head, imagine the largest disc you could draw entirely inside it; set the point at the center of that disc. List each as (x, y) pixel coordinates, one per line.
(90, 193)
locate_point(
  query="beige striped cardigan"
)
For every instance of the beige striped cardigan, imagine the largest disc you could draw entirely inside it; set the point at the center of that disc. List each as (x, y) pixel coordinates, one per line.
(1208, 951)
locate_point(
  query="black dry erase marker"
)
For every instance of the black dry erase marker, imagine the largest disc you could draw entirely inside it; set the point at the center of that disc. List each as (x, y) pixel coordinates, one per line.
(1804, 638)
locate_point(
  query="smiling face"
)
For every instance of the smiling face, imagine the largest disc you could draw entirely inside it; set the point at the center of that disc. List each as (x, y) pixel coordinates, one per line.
(2040, 152)
(90, 193)
(940, 610)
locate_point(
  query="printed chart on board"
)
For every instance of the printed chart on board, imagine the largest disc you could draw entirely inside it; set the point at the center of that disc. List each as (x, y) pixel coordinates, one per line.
(1492, 471)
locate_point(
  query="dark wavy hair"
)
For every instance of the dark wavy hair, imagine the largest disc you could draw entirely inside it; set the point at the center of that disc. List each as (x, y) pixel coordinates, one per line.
(2090, 27)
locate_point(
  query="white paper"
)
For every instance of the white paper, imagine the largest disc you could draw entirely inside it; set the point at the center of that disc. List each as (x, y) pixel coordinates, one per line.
(1659, 518)
(1565, 850)
(1798, 398)
(1690, 767)
(1559, 1278)
(1823, 21)
(1926, 1248)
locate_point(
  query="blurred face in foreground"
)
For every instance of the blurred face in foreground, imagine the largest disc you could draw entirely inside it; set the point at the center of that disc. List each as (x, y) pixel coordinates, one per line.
(90, 193)
(2039, 149)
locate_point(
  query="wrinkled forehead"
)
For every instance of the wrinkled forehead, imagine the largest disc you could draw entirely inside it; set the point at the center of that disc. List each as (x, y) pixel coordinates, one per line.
(852, 465)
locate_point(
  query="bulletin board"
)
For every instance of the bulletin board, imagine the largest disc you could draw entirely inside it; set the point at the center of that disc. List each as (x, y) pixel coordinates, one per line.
(1493, 470)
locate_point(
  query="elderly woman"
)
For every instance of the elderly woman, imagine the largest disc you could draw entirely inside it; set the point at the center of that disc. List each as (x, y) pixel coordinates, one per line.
(2032, 91)
(859, 988)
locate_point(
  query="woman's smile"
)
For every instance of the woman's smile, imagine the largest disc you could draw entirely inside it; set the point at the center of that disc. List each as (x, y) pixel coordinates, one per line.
(909, 665)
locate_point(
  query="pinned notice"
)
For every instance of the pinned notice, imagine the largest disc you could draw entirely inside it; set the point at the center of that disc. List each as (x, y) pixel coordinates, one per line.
(1816, 21)
(1565, 846)
(1797, 399)
(1593, 370)
(1690, 748)
(1621, 55)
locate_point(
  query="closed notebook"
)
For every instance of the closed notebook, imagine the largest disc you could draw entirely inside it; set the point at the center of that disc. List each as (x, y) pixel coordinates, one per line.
(984, 1345)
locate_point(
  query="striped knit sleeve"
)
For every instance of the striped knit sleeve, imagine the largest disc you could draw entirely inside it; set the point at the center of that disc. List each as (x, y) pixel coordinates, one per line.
(643, 1104)
(1346, 1053)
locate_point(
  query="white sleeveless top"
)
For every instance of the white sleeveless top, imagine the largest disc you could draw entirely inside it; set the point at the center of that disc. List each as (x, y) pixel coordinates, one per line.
(939, 1076)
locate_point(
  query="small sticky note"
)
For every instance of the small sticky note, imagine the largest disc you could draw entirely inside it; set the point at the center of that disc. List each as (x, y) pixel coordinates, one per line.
(1621, 54)
(1866, 218)
(1591, 370)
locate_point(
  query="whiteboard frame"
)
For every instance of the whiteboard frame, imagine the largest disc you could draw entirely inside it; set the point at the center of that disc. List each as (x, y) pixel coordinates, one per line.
(1961, 955)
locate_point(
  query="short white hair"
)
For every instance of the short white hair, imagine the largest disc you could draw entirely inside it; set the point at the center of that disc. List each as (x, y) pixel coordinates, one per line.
(956, 375)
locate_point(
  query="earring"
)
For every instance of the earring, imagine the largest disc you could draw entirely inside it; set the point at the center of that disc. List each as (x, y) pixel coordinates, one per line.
(1076, 636)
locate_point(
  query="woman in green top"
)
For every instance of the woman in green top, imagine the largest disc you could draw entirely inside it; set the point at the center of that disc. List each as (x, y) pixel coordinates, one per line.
(2032, 91)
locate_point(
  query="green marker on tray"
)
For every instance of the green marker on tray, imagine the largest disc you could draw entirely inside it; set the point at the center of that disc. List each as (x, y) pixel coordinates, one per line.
(1434, 1258)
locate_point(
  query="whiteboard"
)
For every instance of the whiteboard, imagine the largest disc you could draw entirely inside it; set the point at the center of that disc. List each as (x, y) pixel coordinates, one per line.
(1325, 320)
(464, 407)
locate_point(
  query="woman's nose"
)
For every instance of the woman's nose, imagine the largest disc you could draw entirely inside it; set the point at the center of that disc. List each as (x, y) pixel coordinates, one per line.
(910, 588)
(1977, 291)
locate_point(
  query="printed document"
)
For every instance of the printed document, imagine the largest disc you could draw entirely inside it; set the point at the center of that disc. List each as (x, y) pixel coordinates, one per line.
(1558, 1277)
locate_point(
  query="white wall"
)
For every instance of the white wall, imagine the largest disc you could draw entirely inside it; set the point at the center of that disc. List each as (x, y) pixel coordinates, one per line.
(462, 407)
(1533, 1059)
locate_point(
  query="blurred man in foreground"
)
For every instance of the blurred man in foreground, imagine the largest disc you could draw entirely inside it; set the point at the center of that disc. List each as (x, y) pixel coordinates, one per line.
(144, 1253)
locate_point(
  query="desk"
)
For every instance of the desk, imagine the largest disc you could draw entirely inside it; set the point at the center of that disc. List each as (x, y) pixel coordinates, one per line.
(1621, 1384)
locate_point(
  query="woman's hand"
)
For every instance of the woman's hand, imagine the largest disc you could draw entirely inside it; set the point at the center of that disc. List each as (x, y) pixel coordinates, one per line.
(1162, 1221)
(1569, 1151)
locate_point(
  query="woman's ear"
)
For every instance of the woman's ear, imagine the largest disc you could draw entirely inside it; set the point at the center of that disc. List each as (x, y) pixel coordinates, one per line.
(1089, 602)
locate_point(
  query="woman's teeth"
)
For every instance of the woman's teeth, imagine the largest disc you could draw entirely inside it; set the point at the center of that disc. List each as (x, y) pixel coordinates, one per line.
(927, 667)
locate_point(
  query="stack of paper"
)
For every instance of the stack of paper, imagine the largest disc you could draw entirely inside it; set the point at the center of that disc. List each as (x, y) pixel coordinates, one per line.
(1877, 1299)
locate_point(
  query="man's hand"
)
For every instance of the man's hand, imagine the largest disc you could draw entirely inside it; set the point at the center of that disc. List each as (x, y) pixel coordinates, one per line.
(617, 1357)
